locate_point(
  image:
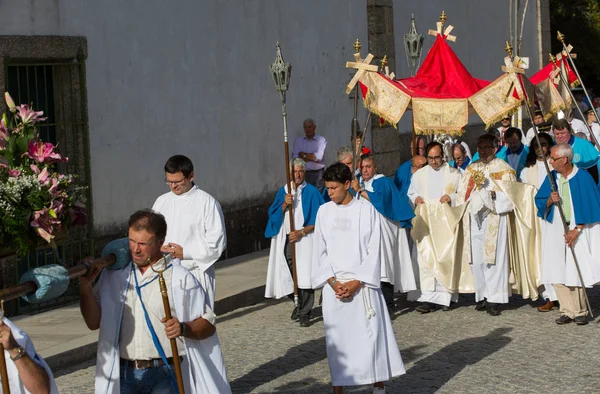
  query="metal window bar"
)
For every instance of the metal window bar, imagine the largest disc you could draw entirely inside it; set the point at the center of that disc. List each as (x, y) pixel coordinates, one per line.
(58, 89)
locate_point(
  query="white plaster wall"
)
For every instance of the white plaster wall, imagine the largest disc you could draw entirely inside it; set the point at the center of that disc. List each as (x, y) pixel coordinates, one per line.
(191, 77)
(481, 28)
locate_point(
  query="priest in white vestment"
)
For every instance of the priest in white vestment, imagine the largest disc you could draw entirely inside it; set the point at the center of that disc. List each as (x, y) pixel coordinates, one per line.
(579, 198)
(488, 209)
(304, 201)
(27, 371)
(196, 227)
(534, 174)
(134, 351)
(397, 269)
(432, 185)
(361, 346)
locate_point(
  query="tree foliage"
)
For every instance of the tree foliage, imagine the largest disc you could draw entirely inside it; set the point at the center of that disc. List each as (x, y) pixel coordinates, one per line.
(579, 21)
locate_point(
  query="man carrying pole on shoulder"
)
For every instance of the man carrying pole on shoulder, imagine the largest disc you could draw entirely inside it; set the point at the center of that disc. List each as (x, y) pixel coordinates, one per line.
(304, 201)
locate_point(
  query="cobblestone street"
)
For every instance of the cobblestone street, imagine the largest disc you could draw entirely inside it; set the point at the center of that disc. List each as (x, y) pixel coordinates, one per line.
(460, 351)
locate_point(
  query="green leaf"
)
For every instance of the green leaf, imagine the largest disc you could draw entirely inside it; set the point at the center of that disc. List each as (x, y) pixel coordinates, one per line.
(52, 213)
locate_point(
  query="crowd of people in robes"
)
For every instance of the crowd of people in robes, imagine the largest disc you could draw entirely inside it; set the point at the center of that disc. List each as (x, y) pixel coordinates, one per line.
(447, 223)
(519, 217)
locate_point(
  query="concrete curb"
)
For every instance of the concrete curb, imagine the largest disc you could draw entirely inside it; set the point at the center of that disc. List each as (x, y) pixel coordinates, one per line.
(84, 349)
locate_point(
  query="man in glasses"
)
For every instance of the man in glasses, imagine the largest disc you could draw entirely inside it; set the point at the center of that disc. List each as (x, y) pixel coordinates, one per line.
(579, 198)
(395, 214)
(196, 227)
(432, 187)
(505, 123)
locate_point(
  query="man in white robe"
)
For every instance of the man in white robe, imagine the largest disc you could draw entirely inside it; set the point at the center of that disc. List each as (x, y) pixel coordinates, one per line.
(534, 174)
(579, 198)
(361, 347)
(434, 184)
(134, 350)
(28, 373)
(196, 227)
(304, 201)
(397, 270)
(488, 209)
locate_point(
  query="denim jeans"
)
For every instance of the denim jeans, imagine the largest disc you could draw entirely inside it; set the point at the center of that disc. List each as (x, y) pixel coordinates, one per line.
(146, 381)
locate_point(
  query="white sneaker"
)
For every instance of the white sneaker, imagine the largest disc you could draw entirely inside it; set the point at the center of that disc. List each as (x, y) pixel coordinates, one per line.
(378, 390)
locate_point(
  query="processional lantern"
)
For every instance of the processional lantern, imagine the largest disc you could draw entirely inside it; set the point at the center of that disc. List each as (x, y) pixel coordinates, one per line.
(280, 71)
(413, 45)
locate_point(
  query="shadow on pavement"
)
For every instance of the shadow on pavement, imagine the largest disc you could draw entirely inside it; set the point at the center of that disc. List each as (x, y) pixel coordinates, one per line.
(432, 372)
(294, 359)
(253, 308)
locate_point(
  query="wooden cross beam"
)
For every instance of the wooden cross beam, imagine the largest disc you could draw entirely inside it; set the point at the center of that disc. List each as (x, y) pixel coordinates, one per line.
(361, 67)
(512, 66)
(445, 33)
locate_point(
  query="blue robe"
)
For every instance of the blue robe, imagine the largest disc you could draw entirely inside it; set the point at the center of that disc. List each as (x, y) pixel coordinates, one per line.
(585, 195)
(452, 164)
(585, 154)
(403, 177)
(522, 160)
(311, 201)
(500, 154)
(389, 202)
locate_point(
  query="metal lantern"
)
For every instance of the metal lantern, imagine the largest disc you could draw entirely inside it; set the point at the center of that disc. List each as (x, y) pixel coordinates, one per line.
(280, 71)
(413, 45)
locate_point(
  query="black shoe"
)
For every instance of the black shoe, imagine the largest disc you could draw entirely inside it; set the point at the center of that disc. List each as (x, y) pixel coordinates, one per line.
(564, 319)
(304, 321)
(446, 308)
(425, 308)
(482, 305)
(295, 316)
(581, 320)
(493, 309)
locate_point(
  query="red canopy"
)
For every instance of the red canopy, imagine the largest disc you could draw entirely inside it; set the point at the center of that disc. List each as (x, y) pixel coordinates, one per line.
(441, 76)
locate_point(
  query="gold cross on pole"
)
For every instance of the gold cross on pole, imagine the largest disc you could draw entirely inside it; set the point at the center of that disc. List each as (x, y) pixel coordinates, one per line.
(361, 67)
(512, 66)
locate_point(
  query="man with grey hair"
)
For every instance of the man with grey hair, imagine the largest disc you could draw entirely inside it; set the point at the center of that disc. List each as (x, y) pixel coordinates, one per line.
(311, 148)
(304, 201)
(579, 198)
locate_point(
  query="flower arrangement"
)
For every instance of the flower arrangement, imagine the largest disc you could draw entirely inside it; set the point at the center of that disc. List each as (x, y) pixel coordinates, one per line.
(36, 201)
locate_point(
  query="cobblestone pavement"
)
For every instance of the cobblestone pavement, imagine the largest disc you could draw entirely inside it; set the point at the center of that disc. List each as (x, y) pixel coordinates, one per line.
(460, 351)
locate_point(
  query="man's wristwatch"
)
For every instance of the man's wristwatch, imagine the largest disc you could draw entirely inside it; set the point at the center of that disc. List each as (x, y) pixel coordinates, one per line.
(493, 194)
(303, 232)
(579, 229)
(20, 354)
(184, 329)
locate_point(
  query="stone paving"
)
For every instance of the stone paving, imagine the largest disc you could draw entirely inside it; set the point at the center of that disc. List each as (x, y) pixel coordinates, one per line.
(460, 351)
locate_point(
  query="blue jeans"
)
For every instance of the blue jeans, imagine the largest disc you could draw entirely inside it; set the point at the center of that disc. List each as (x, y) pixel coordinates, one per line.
(146, 381)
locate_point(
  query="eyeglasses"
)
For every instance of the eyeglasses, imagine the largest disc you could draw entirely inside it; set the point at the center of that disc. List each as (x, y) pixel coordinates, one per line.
(434, 158)
(174, 183)
(553, 159)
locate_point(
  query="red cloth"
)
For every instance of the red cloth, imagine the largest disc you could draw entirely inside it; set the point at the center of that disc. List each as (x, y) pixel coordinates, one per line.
(365, 150)
(544, 73)
(442, 75)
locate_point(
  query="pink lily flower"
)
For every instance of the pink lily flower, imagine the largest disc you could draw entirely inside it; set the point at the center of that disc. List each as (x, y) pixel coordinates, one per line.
(44, 224)
(54, 192)
(43, 151)
(14, 172)
(10, 103)
(28, 115)
(4, 133)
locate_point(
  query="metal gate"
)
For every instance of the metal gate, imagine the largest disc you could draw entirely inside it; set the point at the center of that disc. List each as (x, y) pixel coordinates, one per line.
(56, 87)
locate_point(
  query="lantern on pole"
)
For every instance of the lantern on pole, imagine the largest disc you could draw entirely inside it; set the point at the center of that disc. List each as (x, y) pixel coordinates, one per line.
(413, 46)
(281, 71)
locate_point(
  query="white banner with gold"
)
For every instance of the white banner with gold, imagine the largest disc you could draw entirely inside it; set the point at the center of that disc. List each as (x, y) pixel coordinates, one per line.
(440, 116)
(383, 98)
(497, 100)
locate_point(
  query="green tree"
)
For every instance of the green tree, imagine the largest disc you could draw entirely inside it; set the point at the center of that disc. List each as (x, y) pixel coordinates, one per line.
(579, 21)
